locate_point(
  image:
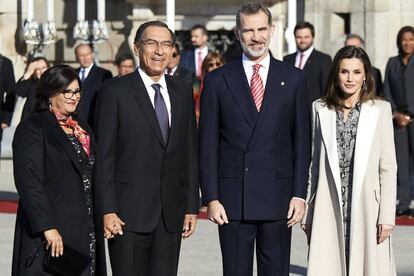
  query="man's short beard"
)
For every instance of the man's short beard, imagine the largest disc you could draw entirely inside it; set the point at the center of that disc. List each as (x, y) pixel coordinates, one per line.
(252, 53)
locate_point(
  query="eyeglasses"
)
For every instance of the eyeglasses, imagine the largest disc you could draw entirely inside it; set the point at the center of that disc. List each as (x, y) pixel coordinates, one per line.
(217, 64)
(153, 44)
(68, 94)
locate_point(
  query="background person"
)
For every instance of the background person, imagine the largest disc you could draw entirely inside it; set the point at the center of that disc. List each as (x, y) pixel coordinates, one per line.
(26, 86)
(398, 90)
(125, 64)
(174, 68)
(357, 41)
(53, 161)
(315, 63)
(7, 98)
(192, 60)
(92, 77)
(351, 197)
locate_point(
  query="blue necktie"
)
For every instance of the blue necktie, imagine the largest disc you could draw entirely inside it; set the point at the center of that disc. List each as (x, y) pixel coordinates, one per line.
(82, 74)
(161, 111)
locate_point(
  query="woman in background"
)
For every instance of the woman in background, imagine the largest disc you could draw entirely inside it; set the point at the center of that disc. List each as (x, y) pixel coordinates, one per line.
(399, 91)
(26, 86)
(352, 184)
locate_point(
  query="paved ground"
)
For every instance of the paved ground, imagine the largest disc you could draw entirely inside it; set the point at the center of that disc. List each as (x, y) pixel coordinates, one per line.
(200, 255)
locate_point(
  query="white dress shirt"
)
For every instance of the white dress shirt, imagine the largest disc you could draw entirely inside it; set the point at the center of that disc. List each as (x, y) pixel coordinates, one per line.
(204, 53)
(263, 71)
(306, 53)
(87, 70)
(151, 92)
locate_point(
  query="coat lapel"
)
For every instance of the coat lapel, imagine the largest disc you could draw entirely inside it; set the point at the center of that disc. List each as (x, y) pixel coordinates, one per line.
(273, 91)
(62, 138)
(239, 87)
(365, 134)
(146, 106)
(175, 108)
(328, 127)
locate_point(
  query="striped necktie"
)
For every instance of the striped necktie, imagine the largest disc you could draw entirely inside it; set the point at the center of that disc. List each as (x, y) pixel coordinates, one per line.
(256, 87)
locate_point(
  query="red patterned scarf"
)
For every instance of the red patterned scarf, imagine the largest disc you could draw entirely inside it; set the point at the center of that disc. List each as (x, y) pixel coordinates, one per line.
(80, 134)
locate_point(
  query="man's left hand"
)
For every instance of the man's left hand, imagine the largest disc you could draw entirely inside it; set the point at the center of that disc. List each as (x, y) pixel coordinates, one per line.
(190, 222)
(4, 125)
(296, 211)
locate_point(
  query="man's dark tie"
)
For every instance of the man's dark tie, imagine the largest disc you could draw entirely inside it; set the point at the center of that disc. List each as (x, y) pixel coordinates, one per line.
(83, 74)
(161, 111)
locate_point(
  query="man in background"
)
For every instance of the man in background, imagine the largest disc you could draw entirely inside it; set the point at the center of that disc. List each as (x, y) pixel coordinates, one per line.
(125, 64)
(7, 98)
(92, 78)
(314, 63)
(175, 69)
(193, 60)
(357, 41)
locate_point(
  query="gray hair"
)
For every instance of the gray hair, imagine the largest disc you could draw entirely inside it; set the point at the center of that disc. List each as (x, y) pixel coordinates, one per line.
(249, 8)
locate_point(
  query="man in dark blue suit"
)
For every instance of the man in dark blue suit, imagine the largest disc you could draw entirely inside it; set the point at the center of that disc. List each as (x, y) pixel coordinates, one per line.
(192, 60)
(254, 150)
(92, 78)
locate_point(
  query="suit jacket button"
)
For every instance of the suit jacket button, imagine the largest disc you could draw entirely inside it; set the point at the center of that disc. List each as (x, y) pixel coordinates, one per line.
(246, 170)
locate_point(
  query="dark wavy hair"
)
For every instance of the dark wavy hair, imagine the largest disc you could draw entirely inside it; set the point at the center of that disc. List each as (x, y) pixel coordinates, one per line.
(53, 80)
(333, 94)
(401, 32)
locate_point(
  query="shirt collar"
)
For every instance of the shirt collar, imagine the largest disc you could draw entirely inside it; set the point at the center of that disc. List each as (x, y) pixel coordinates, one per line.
(203, 50)
(247, 63)
(308, 52)
(148, 81)
(88, 68)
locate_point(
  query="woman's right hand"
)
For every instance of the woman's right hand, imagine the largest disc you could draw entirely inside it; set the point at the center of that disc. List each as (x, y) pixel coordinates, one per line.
(30, 70)
(54, 240)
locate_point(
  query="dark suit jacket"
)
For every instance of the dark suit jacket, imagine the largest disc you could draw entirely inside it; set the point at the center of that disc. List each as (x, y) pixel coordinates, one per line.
(188, 61)
(90, 86)
(316, 73)
(7, 98)
(254, 163)
(399, 84)
(379, 89)
(138, 175)
(27, 89)
(47, 175)
(185, 75)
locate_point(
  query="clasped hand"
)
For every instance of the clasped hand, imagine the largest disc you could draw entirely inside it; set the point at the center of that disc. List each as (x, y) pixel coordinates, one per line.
(112, 225)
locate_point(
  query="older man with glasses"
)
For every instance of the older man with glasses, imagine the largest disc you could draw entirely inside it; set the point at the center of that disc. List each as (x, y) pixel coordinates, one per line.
(147, 176)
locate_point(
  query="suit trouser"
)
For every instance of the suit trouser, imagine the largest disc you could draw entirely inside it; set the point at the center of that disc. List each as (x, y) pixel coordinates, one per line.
(145, 254)
(272, 239)
(404, 145)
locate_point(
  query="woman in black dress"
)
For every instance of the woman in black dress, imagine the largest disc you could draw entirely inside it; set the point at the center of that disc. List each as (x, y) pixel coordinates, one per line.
(26, 86)
(53, 158)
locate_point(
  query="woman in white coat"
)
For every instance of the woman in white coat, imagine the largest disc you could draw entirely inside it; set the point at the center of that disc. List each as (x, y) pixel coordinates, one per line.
(352, 183)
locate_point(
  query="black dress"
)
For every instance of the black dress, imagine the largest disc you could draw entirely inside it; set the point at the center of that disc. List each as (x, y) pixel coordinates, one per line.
(87, 164)
(346, 132)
